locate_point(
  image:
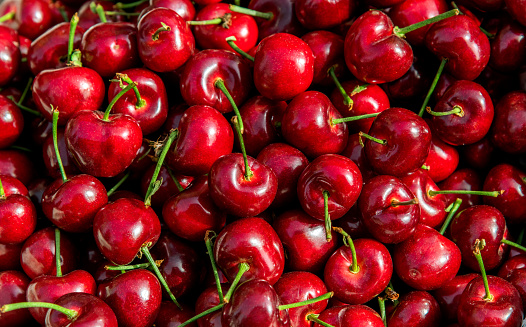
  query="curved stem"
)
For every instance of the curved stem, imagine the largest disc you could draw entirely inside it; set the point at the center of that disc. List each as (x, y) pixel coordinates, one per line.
(457, 110)
(354, 118)
(483, 193)
(347, 240)
(243, 267)
(202, 314)
(166, 146)
(164, 28)
(208, 243)
(374, 139)
(401, 32)
(71, 314)
(325, 296)
(120, 5)
(72, 27)
(10, 15)
(114, 100)
(57, 253)
(119, 183)
(479, 245)
(314, 318)
(27, 109)
(55, 144)
(132, 267)
(153, 264)
(433, 86)
(328, 222)
(250, 12)
(346, 98)
(140, 102)
(518, 246)
(230, 40)
(26, 90)
(450, 216)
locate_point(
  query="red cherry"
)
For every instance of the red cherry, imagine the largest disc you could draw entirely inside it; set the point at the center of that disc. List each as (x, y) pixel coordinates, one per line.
(350, 315)
(417, 308)
(13, 286)
(448, 296)
(11, 122)
(509, 125)
(92, 311)
(321, 14)
(284, 19)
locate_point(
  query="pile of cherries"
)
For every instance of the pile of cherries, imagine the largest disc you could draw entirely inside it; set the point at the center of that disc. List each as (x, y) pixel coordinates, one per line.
(262, 163)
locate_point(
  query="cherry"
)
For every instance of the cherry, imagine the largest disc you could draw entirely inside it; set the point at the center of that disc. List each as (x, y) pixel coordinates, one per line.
(283, 19)
(507, 47)
(89, 17)
(441, 161)
(463, 179)
(509, 125)
(209, 299)
(185, 8)
(417, 308)
(11, 122)
(50, 157)
(322, 15)
(170, 315)
(13, 286)
(448, 295)
(10, 54)
(517, 10)
(172, 184)
(347, 316)
(18, 217)
(513, 271)
(17, 164)
(327, 49)
(273, 67)
(34, 17)
(354, 151)
(10, 256)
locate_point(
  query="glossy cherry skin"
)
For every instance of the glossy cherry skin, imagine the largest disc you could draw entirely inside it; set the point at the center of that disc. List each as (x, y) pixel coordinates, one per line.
(460, 40)
(88, 18)
(298, 286)
(250, 240)
(416, 308)
(72, 205)
(152, 114)
(442, 160)
(327, 49)
(17, 164)
(18, 218)
(12, 186)
(355, 152)
(261, 118)
(206, 300)
(509, 124)
(287, 163)
(185, 8)
(373, 53)
(168, 187)
(135, 297)
(284, 18)
(473, 123)
(350, 315)
(514, 272)
(168, 50)
(375, 271)
(103, 148)
(507, 47)
(304, 240)
(38, 254)
(50, 158)
(242, 27)
(93, 312)
(307, 125)
(191, 213)
(505, 309)
(480, 222)
(426, 260)
(204, 136)
(13, 286)
(201, 72)
(369, 99)
(273, 67)
(10, 54)
(331, 173)
(50, 49)
(48, 288)
(517, 10)
(254, 302)
(233, 192)
(69, 89)
(463, 179)
(321, 15)
(448, 296)
(512, 181)
(408, 139)
(10, 256)
(34, 16)
(122, 227)
(170, 315)
(388, 223)
(11, 122)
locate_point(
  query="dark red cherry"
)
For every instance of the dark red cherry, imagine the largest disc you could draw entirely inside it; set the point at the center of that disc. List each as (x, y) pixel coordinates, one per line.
(17, 164)
(416, 308)
(11, 122)
(442, 160)
(350, 315)
(92, 312)
(463, 179)
(327, 49)
(517, 10)
(18, 218)
(185, 8)
(283, 19)
(168, 187)
(509, 124)
(34, 16)
(13, 286)
(50, 158)
(448, 296)
(316, 14)
(507, 47)
(170, 315)
(10, 256)
(10, 54)
(88, 18)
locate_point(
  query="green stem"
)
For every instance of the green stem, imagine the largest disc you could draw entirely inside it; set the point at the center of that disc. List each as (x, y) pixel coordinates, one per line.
(119, 183)
(173, 135)
(230, 40)
(314, 318)
(354, 118)
(63, 14)
(359, 88)
(381, 304)
(518, 246)
(202, 314)
(55, 144)
(452, 212)
(521, 236)
(488, 34)
(208, 243)
(347, 101)
(483, 193)
(27, 109)
(153, 264)
(374, 139)
(325, 296)
(457, 110)
(76, 59)
(180, 188)
(26, 90)
(328, 222)
(395, 203)
(8, 16)
(347, 240)
(57, 252)
(433, 86)
(243, 267)
(72, 27)
(215, 21)
(401, 32)
(120, 5)
(121, 13)
(2, 192)
(250, 12)
(71, 314)
(479, 245)
(114, 100)
(164, 28)
(132, 267)
(140, 101)
(100, 11)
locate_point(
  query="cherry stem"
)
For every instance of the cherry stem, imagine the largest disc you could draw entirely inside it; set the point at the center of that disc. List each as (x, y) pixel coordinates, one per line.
(2, 192)
(97, 8)
(8, 16)
(483, 193)
(452, 212)
(237, 2)
(209, 236)
(424, 167)
(76, 59)
(328, 223)
(374, 139)
(314, 317)
(230, 40)
(457, 110)
(72, 27)
(518, 246)
(124, 78)
(225, 21)
(57, 252)
(164, 28)
(132, 267)
(121, 13)
(243, 267)
(347, 240)
(477, 247)
(401, 32)
(114, 100)
(325, 296)
(521, 236)
(220, 84)
(153, 264)
(71, 314)
(55, 144)
(354, 118)
(346, 98)
(26, 90)
(63, 14)
(119, 183)
(433, 86)
(27, 109)
(120, 5)
(166, 146)
(265, 15)
(180, 188)
(359, 88)
(202, 314)
(488, 34)
(381, 304)
(395, 203)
